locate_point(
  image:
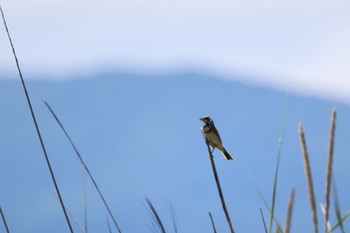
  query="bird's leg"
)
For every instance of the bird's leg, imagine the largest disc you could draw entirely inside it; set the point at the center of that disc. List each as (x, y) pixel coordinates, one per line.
(213, 149)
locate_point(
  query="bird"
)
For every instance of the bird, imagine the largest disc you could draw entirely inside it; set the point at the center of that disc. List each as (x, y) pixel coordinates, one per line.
(212, 136)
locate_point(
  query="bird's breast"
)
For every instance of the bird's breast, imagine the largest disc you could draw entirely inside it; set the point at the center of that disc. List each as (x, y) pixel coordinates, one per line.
(206, 129)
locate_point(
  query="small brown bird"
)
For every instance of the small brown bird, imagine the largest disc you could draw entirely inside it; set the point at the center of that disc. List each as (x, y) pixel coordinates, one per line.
(212, 136)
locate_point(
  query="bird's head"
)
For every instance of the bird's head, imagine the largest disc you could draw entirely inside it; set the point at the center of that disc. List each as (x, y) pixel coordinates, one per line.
(206, 120)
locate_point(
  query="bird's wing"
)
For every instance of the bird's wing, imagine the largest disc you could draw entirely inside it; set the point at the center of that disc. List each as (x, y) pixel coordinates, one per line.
(217, 133)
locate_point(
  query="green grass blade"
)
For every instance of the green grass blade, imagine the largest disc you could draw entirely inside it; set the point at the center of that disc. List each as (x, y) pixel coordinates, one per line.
(264, 200)
(337, 205)
(280, 143)
(263, 220)
(345, 216)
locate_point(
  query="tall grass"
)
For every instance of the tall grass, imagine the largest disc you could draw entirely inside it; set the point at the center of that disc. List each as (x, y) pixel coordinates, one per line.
(173, 216)
(212, 222)
(329, 178)
(280, 144)
(36, 123)
(289, 211)
(329, 171)
(263, 220)
(4, 220)
(156, 221)
(307, 169)
(337, 205)
(83, 164)
(218, 185)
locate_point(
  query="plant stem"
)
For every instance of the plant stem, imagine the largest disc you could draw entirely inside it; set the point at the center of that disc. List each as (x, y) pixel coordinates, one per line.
(308, 177)
(84, 165)
(219, 189)
(329, 171)
(212, 222)
(36, 124)
(4, 220)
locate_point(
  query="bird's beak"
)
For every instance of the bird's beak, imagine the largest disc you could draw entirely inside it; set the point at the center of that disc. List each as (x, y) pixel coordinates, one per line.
(201, 119)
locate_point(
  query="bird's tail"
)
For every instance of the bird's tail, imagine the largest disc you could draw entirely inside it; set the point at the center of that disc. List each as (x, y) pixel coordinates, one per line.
(227, 155)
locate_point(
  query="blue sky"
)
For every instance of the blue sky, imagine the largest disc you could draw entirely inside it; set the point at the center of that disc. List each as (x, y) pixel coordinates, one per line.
(130, 79)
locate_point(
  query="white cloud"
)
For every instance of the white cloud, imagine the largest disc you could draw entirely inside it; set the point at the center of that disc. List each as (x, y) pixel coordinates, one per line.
(297, 45)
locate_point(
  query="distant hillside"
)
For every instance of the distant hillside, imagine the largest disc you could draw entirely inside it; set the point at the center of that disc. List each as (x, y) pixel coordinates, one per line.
(140, 137)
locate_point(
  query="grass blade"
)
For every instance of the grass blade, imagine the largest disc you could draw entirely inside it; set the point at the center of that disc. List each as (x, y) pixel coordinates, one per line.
(69, 213)
(35, 123)
(85, 201)
(212, 222)
(337, 205)
(279, 229)
(280, 143)
(308, 177)
(173, 216)
(289, 211)
(329, 170)
(108, 225)
(263, 220)
(84, 165)
(4, 220)
(157, 222)
(346, 215)
(264, 200)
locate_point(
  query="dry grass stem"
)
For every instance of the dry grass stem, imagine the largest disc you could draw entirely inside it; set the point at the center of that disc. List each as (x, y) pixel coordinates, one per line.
(84, 165)
(219, 189)
(329, 171)
(289, 211)
(35, 122)
(212, 222)
(278, 229)
(308, 177)
(4, 220)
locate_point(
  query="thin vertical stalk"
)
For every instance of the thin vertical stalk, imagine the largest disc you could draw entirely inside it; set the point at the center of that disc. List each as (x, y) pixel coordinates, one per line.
(308, 177)
(289, 211)
(212, 222)
(337, 205)
(84, 165)
(108, 225)
(173, 216)
(85, 201)
(280, 143)
(211, 157)
(4, 220)
(263, 220)
(156, 218)
(329, 170)
(36, 124)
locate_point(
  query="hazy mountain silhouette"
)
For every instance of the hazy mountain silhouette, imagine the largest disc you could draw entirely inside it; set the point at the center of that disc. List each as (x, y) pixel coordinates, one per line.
(140, 137)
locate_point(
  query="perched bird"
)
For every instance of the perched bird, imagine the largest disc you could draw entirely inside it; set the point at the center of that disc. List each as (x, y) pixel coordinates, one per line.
(212, 136)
